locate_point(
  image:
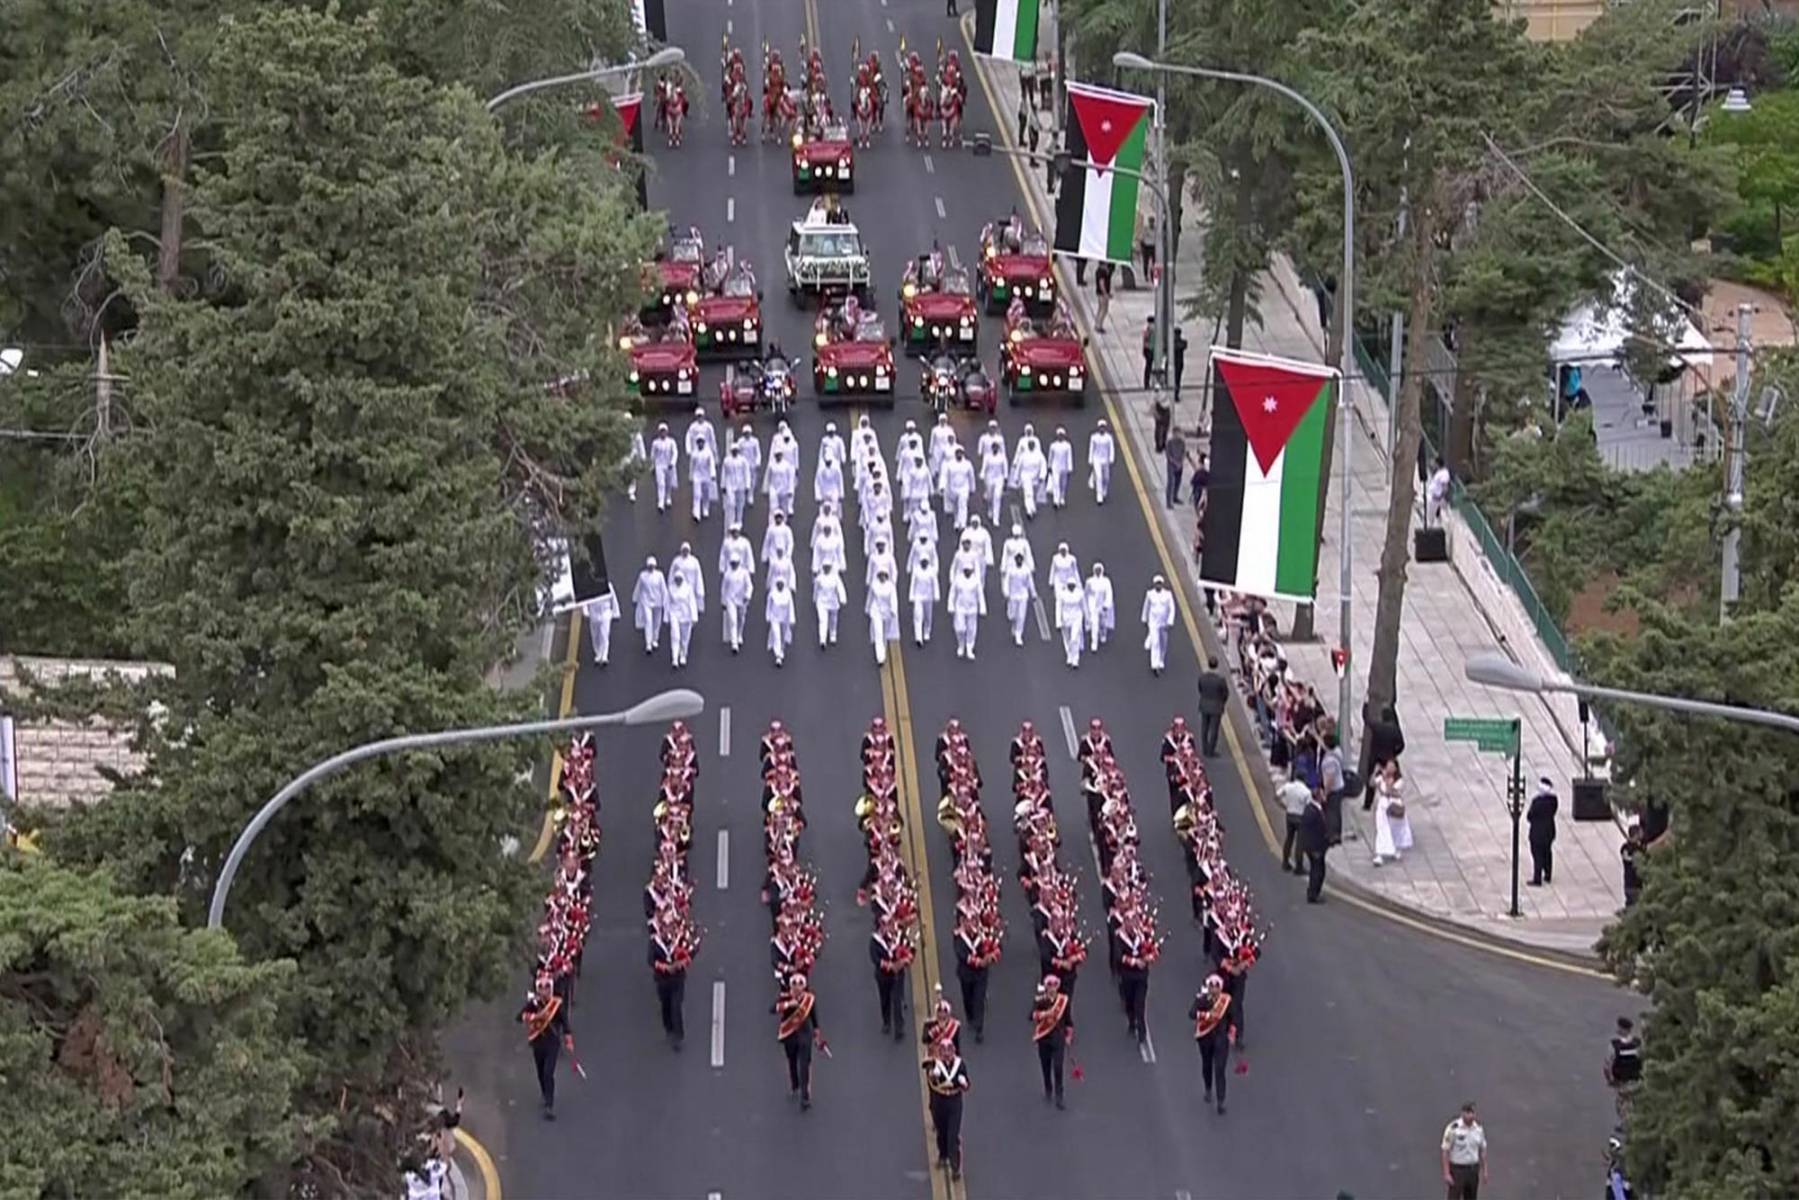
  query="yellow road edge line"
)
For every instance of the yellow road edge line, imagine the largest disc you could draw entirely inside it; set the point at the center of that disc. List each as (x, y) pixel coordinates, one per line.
(490, 1174)
(571, 664)
(1150, 516)
(899, 719)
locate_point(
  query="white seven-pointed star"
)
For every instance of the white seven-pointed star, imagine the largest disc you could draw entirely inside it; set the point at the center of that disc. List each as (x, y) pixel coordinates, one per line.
(1105, 126)
(1269, 404)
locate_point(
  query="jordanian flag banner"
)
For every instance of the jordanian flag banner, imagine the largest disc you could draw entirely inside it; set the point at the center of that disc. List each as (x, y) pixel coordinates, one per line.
(1096, 212)
(1006, 29)
(1270, 425)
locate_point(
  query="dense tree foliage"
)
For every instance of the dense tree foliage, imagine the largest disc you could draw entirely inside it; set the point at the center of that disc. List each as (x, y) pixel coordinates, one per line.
(1713, 941)
(333, 457)
(140, 1058)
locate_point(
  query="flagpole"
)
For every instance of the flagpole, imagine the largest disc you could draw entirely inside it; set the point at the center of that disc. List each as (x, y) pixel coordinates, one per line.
(1165, 293)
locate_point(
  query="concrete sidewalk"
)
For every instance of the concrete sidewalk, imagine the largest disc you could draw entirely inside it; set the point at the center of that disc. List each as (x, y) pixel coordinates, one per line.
(1459, 868)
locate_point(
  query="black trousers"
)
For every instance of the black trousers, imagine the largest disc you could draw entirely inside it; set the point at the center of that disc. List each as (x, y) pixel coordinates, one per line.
(1314, 875)
(1164, 417)
(799, 1064)
(974, 996)
(1051, 1052)
(1542, 862)
(545, 1050)
(671, 995)
(1214, 1062)
(1464, 1181)
(1149, 364)
(1209, 724)
(1133, 989)
(1290, 844)
(893, 1007)
(946, 1119)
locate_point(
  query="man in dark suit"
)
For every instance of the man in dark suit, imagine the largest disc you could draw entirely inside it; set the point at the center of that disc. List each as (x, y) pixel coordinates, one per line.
(1214, 694)
(1541, 819)
(1315, 842)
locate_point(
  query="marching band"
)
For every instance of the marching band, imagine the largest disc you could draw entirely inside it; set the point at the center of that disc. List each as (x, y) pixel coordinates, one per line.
(668, 897)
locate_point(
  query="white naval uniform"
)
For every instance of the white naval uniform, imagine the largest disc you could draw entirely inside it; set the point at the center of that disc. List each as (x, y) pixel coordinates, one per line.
(991, 441)
(967, 605)
(1061, 466)
(784, 441)
(637, 454)
(1158, 617)
(828, 597)
(1071, 611)
(1018, 584)
(683, 613)
(827, 547)
(831, 446)
(956, 480)
(777, 538)
(665, 459)
(915, 489)
(752, 453)
(1029, 469)
(994, 473)
(736, 588)
(779, 482)
(600, 614)
(827, 481)
(699, 430)
(779, 611)
(1102, 615)
(736, 546)
(735, 480)
(1063, 570)
(923, 588)
(942, 446)
(880, 560)
(982, 538)
(702, 473)
(779, 566)
(882, 607)
(649, 600)
(1015, 546)
(1101, 452)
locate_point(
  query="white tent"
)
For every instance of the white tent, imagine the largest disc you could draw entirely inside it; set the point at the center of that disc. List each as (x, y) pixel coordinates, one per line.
(1592, 335)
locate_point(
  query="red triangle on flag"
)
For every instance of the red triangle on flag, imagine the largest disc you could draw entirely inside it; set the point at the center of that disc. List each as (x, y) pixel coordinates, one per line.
(1271, 400)
(1106, 120)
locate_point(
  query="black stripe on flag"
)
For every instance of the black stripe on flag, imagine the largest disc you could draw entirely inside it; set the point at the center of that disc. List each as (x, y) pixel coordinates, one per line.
(985, 13)
(1071, 198)
(587, 567)
(655, 20)
(1229, 463)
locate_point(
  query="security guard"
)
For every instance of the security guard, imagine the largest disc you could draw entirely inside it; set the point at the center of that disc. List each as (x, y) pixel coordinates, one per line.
(1052, 1028)
(947, 1076)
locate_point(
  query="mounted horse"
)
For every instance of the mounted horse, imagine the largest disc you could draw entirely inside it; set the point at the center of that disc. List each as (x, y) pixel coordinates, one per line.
(949, 112)
(738, 110)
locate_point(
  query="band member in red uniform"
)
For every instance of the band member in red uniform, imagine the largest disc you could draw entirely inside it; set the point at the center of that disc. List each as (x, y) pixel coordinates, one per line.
(672, 945)
(1214, 1032)
(797, 1010)
(947, 1077)
(1052, 1028)
(546, 1027)
(943, 1026)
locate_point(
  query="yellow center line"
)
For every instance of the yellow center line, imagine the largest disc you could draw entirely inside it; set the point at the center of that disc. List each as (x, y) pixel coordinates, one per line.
(1188, 620)
(571, 665)
(923, 976)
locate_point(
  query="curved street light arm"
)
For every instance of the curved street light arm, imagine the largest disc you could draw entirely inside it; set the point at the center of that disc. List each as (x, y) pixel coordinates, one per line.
(665, 706)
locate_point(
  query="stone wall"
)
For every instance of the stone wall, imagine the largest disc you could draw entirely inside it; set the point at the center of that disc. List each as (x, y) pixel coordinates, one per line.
(59, 762)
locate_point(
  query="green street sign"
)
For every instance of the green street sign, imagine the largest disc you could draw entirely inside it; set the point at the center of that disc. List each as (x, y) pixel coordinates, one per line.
(1490, 735)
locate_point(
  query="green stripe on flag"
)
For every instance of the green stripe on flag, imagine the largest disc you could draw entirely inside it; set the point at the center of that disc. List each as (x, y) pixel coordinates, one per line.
(1024, 37)
(1121, 224)
(1302, 467)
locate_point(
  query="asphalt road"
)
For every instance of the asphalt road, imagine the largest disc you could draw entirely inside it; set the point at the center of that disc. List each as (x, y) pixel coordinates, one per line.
(1362, 1036)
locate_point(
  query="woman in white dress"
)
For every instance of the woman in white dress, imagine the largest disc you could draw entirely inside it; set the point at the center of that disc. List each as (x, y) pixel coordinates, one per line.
(1392, 827)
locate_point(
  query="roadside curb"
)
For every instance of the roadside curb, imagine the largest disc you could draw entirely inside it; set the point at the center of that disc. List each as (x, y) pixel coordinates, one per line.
(1257, 774)
(472, 1170)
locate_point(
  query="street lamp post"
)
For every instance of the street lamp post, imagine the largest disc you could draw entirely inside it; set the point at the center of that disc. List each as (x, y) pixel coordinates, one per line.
(1498, 671)
(664, 706)
(1127, 60)
(668, 56)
